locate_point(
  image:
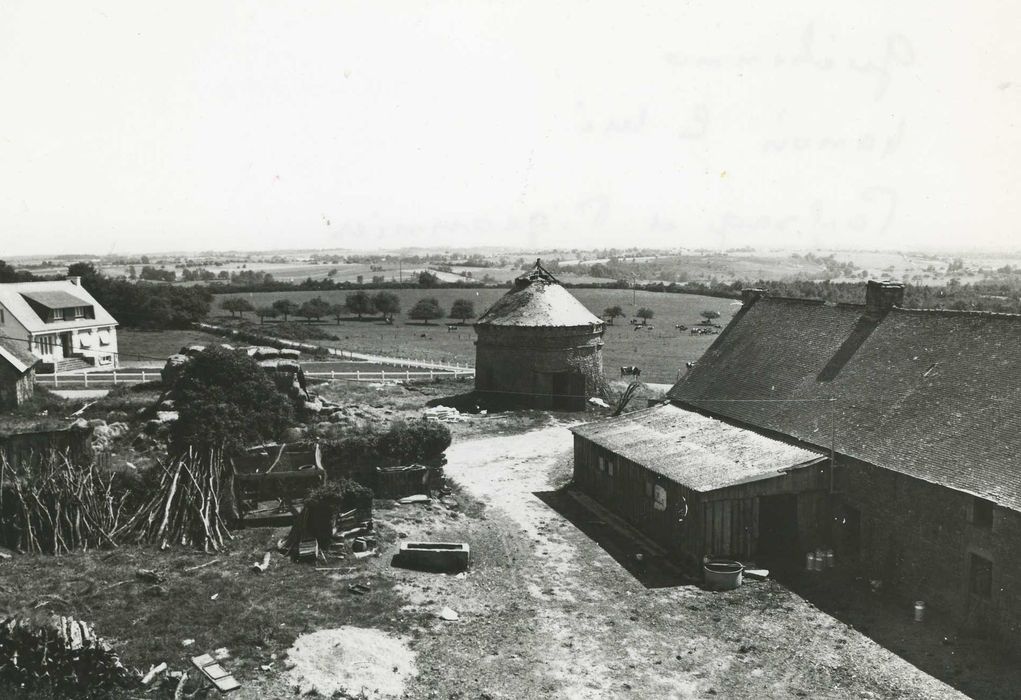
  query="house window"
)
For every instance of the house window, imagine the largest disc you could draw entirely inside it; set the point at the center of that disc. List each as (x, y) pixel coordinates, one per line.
(56, 315)
(45, 344)
(981, 576)
(79, 312)
(982, 513)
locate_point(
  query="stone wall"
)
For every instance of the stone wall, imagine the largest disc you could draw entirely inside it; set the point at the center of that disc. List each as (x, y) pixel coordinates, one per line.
(15, 387)
(517, 365)
(919, 538)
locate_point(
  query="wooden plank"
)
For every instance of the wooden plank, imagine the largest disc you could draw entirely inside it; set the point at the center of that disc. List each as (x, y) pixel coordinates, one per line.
(726, 512)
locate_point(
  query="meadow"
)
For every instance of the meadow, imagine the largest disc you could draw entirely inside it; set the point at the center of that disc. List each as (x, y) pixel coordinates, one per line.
(661, 352)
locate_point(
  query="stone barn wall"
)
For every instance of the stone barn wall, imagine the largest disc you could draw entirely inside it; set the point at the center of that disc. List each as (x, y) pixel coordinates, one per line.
(920, 539)
(516, 365)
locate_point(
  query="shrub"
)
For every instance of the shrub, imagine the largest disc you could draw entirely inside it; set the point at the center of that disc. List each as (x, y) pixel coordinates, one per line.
(403, 442)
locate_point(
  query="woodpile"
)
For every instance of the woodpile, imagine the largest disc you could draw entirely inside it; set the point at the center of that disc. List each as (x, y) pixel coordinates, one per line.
(57, 506)
(186, 507)
(59, 654)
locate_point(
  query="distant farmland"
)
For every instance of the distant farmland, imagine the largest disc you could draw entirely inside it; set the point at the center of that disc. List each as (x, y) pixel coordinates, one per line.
(661, 353)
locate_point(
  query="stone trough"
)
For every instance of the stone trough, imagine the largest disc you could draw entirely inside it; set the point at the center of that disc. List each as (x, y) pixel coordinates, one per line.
(434, 556)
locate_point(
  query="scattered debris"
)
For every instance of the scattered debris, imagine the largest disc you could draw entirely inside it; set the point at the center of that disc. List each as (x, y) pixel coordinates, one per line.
(446, 414)
(187, 642)
(448, 614)
(153, 672)
(214, 596)
(417, 498)
(149, 575)
(217, 674)
(261, 567)
(596, 401)
(757, 574)
(221, 654)
(359, 588)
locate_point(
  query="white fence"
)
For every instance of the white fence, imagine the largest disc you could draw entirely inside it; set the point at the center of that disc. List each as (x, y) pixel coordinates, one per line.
(116, 377)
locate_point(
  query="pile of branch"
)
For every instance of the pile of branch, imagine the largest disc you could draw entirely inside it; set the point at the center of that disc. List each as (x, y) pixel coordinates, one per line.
(57, 506)
(186, 505)
(60, 654)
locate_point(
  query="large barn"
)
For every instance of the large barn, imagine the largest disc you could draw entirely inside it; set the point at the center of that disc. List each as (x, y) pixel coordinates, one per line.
(539, 347)
(918, 409)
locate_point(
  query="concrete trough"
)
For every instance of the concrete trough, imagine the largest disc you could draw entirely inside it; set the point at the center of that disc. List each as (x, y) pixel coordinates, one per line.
(434, 556)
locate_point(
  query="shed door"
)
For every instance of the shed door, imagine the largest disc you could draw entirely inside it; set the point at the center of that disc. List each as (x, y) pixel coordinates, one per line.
(778, 527)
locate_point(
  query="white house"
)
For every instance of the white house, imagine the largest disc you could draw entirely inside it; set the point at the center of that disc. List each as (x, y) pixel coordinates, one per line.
(60, 323)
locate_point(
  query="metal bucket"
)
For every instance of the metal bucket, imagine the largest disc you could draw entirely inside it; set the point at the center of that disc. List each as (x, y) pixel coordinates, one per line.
(723, 574)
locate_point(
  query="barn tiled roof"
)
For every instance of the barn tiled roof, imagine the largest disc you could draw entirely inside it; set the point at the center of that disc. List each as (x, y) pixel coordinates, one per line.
(930, 394)
(538, 300)
(701, 453)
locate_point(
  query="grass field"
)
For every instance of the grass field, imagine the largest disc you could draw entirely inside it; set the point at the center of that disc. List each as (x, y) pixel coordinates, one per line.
(661, 353)
(152, 348)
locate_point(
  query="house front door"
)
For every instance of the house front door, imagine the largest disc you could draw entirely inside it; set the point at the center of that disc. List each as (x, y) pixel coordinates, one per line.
(66, 346)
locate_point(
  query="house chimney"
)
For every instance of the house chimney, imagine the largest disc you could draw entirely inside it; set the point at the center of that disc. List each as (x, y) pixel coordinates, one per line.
(880, 297)
(751, 294)
(76, 281)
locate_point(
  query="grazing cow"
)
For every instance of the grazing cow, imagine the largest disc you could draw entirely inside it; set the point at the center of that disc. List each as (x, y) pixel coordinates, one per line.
(681, 327)
(630, 370)
(451, 328)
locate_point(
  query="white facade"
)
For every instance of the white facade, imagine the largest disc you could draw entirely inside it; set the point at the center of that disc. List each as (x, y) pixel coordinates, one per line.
(58, 321)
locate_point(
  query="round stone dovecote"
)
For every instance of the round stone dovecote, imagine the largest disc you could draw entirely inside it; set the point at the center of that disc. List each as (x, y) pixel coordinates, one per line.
(539, 347)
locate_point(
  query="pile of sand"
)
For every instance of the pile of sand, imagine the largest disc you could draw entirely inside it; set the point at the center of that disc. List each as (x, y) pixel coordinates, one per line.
(353, 661)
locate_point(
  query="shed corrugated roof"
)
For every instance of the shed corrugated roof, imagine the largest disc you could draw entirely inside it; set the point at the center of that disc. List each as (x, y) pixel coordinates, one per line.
(538, 300)
(703, 454)
(930, 394)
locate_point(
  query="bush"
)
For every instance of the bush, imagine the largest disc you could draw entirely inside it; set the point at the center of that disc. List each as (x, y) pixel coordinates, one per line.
(224, 399)
(403, 442)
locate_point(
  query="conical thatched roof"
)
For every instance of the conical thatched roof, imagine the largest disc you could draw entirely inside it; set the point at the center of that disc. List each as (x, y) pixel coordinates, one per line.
(538, 300)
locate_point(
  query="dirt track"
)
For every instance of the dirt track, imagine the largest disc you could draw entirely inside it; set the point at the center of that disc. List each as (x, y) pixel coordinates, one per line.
(558, 616)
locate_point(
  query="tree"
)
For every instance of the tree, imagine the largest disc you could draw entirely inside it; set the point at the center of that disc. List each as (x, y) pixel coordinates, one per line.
(87, 271)
(132, 272)
(709, 315)
(359, 303)
(238, 305)
(285, 307)
(612, 312)
(462, 309)
(338, 311)
(386, 303)
(426, 309)
(224, 399)
(314, 308)
(645, 314)
(265, 312)
(427, 279)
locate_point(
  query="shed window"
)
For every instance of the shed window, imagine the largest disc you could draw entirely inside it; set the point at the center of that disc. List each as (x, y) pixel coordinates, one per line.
(602, 464)
(648, 489)
(659, 502)
(981, 576)
(609, 467)
(982, 513)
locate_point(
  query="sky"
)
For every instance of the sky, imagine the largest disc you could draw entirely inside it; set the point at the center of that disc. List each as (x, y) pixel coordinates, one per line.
(130, 127)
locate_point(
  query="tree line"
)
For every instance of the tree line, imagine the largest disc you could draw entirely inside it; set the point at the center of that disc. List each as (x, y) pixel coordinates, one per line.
(359, 303)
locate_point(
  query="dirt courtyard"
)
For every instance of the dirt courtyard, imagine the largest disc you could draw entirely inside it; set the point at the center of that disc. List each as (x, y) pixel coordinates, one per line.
(554, 615)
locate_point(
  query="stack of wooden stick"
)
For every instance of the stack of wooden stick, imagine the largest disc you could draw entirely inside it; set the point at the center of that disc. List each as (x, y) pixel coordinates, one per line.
(58, 506)
(186, 505)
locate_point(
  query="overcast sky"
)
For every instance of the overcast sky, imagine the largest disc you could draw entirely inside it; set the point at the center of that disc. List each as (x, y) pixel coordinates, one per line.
(136, 126)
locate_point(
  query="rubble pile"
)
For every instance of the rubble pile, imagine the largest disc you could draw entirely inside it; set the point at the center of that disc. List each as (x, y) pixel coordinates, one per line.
(61, 654)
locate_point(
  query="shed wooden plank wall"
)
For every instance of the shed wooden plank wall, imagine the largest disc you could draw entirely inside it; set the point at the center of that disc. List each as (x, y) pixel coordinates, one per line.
(722, 523)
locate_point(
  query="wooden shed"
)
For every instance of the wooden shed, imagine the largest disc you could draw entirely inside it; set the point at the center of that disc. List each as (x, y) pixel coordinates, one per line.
(702, 487)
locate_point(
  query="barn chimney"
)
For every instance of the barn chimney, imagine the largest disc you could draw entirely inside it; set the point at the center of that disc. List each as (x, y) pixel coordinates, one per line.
(751, 294)
(880, 297)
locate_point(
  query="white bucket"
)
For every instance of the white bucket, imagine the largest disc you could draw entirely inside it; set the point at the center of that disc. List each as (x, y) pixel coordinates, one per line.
(919, 610)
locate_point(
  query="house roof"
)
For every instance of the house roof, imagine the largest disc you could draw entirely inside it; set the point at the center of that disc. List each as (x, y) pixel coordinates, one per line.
(18, 357)
(62, 292)
(930, 394)
(701, 453)
(538, 300)
(58, 299)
